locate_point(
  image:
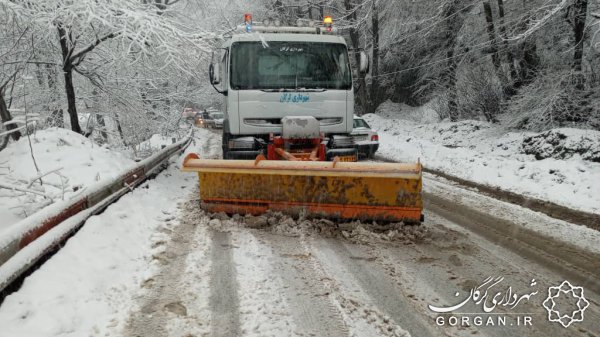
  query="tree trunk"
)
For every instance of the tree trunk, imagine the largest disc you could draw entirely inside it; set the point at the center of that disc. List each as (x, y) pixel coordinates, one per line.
(452, 28)
(68, 74)
(3, 142)
(580, 16)
(6, 117)
(361, 90)
(581, 111)
(528, 58)
(374, 96)
(489, 19)
(120, 129)
(451, 86)
(510, 58)
(71, 107)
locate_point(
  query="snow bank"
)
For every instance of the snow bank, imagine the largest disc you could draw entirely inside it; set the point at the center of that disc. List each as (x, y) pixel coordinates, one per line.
(488, 154)
(79, 162)
(88, 288)
(104, 193)
(422, 114)
(564, 144)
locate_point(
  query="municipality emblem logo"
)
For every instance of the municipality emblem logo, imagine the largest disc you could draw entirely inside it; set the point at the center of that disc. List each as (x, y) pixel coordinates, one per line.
(565, 292)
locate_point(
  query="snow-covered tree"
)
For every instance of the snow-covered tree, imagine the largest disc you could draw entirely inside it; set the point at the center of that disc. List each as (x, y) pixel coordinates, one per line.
(139, 30)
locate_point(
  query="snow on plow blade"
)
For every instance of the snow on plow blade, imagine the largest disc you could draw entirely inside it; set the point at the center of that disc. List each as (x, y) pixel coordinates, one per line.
(339, 190)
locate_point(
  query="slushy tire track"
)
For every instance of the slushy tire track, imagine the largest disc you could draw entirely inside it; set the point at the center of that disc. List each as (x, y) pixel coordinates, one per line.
(561, 257)
(311, 308)
(387, 295)
(225, 320)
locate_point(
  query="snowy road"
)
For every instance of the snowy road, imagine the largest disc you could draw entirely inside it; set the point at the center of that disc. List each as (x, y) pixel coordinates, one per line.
(211, 275)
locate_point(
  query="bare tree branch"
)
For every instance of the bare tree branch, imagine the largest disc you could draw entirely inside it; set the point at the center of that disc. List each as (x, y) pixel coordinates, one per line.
(78, 57)
(539, 23)
(20, 189)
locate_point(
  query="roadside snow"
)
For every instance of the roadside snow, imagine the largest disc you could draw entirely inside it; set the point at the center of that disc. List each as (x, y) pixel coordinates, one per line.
(155, 143)
(78, 163)
(488, 154)
(88, 287)
(424, 114)
(564, 143)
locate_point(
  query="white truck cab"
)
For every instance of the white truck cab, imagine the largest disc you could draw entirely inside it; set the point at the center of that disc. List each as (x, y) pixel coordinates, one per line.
(267, 73)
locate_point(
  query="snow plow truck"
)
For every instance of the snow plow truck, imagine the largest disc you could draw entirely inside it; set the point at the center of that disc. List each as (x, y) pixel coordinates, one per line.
(289, 107)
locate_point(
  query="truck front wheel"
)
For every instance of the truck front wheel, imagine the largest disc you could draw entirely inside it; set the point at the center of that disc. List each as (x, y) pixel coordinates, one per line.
(225, 145)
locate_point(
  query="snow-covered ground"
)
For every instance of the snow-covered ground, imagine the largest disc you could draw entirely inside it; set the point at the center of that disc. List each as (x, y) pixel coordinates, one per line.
(560, 166)
(72, 161)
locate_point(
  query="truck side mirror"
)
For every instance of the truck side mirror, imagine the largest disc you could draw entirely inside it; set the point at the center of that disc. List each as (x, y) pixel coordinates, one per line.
(214, 74)
(364, 62)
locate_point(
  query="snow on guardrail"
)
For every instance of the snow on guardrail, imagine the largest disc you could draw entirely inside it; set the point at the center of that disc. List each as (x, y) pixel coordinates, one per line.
(24, 243)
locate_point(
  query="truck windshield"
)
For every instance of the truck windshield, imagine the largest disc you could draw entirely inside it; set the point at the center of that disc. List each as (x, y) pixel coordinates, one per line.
(289, 65)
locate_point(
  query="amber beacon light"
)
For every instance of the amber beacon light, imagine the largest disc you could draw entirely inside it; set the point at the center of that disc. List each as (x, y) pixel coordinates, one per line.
(328, 22)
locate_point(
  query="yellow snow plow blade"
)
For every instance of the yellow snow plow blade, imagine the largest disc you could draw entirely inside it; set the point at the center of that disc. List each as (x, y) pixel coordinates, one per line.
(339, 190)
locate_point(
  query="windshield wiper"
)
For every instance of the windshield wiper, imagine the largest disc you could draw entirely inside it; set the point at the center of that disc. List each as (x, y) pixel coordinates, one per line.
(311, 89)
(278, 90)
(295, 90)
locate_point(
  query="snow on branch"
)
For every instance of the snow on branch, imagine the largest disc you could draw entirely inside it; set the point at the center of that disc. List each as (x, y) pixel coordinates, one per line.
(21, 123)
(41, 175)
(78, 57)
(536, 24)
(25, 190)
(137, 26)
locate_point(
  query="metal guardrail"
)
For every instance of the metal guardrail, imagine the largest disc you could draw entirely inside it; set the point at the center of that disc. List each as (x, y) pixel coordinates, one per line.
(26, 242)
